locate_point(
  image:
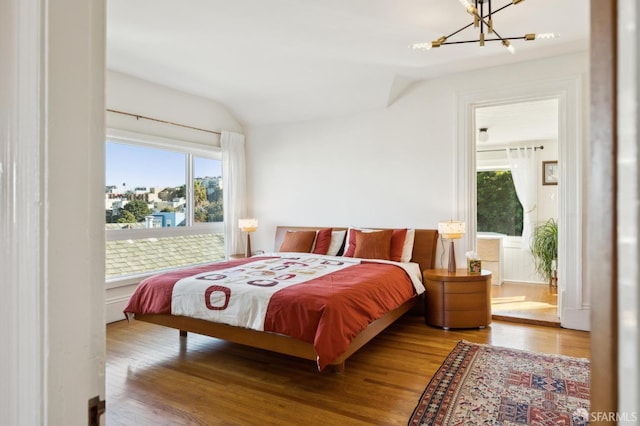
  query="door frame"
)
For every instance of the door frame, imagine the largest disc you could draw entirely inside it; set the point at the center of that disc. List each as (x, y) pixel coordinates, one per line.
(602, 253)
(573, 303)
(52, 209)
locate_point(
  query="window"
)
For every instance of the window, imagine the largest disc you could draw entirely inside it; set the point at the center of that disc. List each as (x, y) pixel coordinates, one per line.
(498, 209)
(163, 206)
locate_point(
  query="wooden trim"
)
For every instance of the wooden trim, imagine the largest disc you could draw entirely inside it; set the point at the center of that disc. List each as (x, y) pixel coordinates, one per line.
(272, 341)
(602, 258)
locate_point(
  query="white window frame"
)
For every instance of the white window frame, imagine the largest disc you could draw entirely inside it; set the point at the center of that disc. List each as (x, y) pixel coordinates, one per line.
(190, 150)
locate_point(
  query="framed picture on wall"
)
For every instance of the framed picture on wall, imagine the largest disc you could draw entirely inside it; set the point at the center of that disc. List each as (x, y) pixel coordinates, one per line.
(549, 172)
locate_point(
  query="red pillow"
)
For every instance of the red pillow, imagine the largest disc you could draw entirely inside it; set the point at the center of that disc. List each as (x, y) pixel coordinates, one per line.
(350, 247)
(323, 241)
(298, 241)
(397, 244)
(373, 245)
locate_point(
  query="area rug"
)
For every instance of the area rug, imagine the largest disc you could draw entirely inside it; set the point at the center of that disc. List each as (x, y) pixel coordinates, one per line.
(487, 385)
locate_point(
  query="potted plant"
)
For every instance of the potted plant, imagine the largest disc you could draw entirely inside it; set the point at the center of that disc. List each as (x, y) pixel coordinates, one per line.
(544, 247)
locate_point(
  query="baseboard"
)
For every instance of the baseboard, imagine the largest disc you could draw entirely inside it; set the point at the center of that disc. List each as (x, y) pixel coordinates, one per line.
(508, 318)
(576, 319)
(114, 308)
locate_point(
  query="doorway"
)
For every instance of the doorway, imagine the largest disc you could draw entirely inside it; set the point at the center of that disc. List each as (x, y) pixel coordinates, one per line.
(512, 143)
(573, 296)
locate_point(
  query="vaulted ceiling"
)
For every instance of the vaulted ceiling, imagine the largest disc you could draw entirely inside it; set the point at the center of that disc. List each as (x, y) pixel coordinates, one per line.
(272, 61)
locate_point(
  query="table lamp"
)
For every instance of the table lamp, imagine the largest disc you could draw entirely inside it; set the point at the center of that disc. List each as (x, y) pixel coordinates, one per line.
(248, 226)
(451, 230)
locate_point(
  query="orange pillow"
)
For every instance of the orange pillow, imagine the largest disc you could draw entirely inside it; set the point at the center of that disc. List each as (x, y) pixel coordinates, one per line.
(397, 244)
(298, 241)
(323, 241)
(373, 245)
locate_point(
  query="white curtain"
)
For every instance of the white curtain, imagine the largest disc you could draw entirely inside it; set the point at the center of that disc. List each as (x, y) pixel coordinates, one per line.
(234, 189)
(523, 170)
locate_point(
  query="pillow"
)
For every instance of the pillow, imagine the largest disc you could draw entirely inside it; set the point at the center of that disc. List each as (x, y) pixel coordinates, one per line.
(350, 247)
(401, 238)
(373, 245)
(337, 238)
(397, 244)
(323, 241)
(298, 241)
(407, 249)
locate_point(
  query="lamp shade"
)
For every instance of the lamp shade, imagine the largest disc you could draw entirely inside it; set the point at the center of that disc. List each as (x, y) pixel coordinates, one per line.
(248, 225)
(451, 229)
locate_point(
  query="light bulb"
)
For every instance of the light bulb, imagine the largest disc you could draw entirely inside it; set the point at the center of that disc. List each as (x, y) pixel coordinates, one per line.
(545, 35)
(509, 47)
(424, 46)
(471, 9)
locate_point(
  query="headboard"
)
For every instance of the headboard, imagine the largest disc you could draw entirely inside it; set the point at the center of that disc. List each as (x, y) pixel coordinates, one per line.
(424, 244)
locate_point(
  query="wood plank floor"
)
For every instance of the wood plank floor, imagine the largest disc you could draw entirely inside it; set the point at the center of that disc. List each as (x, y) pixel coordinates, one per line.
(524, 302)
(154, 377)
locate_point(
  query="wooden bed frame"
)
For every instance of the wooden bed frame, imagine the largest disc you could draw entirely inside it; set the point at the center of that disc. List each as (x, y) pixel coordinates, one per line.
(424, 253)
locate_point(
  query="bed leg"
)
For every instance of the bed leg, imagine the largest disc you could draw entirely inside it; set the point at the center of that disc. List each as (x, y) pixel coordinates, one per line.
(338, 368)
(183, 333)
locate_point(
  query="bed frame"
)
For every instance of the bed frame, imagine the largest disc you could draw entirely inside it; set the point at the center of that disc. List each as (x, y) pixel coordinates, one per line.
(424, 253)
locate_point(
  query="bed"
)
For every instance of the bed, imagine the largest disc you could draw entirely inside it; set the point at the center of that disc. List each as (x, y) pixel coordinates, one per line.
(327, 348)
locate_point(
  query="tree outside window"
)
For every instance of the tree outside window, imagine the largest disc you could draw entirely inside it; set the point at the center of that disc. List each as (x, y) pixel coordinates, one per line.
(498, 207)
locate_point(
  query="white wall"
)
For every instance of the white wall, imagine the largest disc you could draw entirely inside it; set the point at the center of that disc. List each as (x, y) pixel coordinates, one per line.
(386, 167)
(133, 95)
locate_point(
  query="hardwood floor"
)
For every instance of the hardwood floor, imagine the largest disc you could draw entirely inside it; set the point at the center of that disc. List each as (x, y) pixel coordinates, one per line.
(522, 302)
(154, 377)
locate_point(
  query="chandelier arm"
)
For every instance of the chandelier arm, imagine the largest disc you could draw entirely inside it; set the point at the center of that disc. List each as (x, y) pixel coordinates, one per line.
(487, 39)
(482, 18)
(461, 29)
(498, 35)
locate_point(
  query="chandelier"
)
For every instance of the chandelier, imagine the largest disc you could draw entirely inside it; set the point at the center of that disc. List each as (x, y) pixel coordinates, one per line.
(485, 23)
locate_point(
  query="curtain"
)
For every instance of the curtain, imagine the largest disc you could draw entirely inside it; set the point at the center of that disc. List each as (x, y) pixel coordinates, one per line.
(523, 171)
(234, 189)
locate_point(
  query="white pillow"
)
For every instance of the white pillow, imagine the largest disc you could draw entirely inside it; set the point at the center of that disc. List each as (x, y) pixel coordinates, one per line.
(337, 238)
(407, 248)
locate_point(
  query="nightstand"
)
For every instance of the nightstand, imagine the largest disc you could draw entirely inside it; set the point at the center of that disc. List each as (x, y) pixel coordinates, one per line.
(237, 256)
(457, 299)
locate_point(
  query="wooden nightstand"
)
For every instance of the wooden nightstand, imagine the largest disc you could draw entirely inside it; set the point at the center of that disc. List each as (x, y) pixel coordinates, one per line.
(457, 300)
(237, 256)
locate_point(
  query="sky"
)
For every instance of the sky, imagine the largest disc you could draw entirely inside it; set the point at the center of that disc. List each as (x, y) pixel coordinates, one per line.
(136, 166)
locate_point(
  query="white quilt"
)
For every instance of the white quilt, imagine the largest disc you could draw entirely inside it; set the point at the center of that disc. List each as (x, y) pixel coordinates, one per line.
(240, 296)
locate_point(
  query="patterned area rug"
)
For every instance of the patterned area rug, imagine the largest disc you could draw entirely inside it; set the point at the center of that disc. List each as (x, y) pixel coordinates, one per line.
(488, 385)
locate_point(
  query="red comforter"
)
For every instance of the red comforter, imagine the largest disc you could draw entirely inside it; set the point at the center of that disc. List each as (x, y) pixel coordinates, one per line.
(328, 312)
